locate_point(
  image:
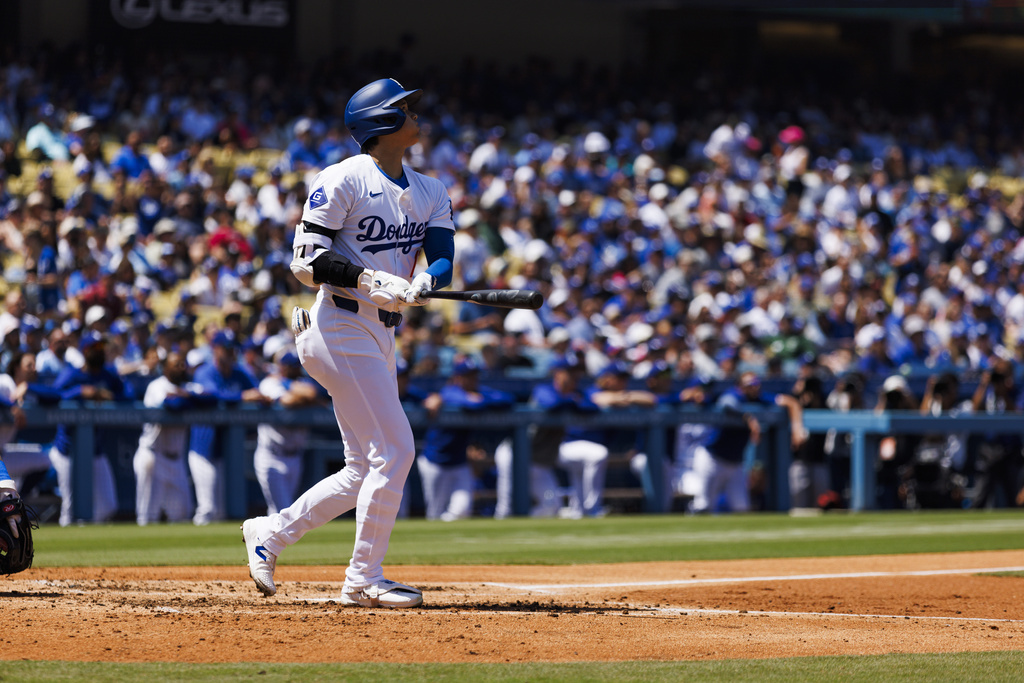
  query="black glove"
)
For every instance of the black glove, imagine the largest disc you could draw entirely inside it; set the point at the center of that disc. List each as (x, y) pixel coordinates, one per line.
(16, 549)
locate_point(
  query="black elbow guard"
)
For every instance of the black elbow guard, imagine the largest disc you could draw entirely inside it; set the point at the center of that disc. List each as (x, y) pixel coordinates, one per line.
(336, 270)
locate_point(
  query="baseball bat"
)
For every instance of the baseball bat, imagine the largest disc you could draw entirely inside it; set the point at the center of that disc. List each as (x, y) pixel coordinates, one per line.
(502, 298)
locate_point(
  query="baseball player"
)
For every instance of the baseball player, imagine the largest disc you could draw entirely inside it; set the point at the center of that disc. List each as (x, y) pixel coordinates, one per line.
(161, 477)
(221, 379)
(95, 381)
(362, 227)
(444, 464)
(279, 449)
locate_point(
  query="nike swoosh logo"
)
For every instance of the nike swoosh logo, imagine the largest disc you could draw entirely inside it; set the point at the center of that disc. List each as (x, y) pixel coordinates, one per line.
(373, 195)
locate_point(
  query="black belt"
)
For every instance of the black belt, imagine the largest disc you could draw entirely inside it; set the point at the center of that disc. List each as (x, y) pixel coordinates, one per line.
(389, 319)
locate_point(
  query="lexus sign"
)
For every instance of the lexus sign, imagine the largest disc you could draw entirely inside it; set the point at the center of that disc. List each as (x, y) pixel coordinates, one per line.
(136, 14)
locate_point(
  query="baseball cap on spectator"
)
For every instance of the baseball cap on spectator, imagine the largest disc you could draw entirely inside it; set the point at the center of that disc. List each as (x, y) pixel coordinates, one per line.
(70, 224)
(244, 172)
(561, 363)
(245, 268)
(35, 198)
(119, 327)
(465, 366)
(82, 122)
(558, 335)
(468, 218)
(658, 367)
(225, 339)
(791, 135)
(90, 338)
(272, 345)
(705, 332)
(596, 143)
(914, 324)
(288, 358)
(165, 226)
(558, 297)
(303, 125)
(617, 367)
(94, 314)
(869, 334)
(895, 383)
(30, 323)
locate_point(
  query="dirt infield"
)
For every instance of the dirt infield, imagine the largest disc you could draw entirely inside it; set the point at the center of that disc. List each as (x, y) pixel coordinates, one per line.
(650, 611)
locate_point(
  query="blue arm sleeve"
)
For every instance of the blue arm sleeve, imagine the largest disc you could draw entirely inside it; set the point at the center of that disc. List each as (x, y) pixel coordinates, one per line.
(439, 248)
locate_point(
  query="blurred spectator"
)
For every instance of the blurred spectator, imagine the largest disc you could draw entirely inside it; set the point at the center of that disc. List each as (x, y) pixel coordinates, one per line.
(130, 161)
(223, 380)
(934, 476)
(161, 478)
(447, 457)
(280, 449)
(95, 381)
(722, 470)
(894, 452)
(997, 456)
(43, 140)
(809, 477)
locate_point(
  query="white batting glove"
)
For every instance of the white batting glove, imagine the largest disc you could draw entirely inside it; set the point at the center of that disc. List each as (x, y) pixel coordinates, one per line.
(424, 282)
(8, 491)
(387, 291)
(300, 320)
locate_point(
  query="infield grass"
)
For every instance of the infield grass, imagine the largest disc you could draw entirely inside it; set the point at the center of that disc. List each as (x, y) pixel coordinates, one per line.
(635, 538)
(988, 667)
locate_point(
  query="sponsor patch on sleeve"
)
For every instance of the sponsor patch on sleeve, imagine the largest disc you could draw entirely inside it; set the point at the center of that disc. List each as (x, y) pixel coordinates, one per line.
(317, 198)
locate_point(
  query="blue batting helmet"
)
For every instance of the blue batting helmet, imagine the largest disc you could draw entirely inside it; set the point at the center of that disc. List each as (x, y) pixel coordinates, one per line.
(372, 112)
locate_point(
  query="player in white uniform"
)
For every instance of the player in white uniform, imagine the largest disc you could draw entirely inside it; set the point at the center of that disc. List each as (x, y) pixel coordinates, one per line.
(362, 227)
(279, 448)
(161, 476)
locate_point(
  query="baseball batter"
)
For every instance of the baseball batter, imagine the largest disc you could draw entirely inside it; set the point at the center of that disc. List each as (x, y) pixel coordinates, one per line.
(362, 227)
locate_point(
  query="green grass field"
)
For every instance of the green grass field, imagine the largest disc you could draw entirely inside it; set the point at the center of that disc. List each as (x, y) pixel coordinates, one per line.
(634, 538)
(526, 541)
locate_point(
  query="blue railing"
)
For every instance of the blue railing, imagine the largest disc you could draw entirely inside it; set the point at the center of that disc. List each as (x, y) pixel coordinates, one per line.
(865, 427)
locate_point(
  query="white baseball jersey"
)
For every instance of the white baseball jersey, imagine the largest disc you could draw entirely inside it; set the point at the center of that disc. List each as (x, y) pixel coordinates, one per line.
(380, 225)
(160, 437)
(276, 438)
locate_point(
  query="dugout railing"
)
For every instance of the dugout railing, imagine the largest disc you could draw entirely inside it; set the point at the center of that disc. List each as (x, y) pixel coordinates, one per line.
(866, 429)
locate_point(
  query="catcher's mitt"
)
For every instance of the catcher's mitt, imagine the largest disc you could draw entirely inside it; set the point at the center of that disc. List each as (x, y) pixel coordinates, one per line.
(15, 553)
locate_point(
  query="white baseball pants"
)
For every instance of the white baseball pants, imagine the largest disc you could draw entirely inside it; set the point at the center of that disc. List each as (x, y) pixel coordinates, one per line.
(545, 489)
(717, 477)
(352, 355)
(586, 462)
(208, 481)
(104, 492)
(447, 491)
(161, 485)
(279, 477)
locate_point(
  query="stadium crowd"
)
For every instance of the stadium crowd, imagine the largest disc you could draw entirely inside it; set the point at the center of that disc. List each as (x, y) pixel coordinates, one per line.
(711, 226)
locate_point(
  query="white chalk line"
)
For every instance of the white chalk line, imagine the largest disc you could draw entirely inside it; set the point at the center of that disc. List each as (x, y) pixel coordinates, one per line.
(560, 587)
(682, 611)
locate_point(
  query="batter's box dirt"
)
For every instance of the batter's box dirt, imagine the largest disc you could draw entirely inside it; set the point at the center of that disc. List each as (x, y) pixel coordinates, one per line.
(656, 611)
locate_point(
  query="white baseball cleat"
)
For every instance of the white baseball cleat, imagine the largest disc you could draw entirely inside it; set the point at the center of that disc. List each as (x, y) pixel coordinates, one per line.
(384, 593)
(262, 562)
